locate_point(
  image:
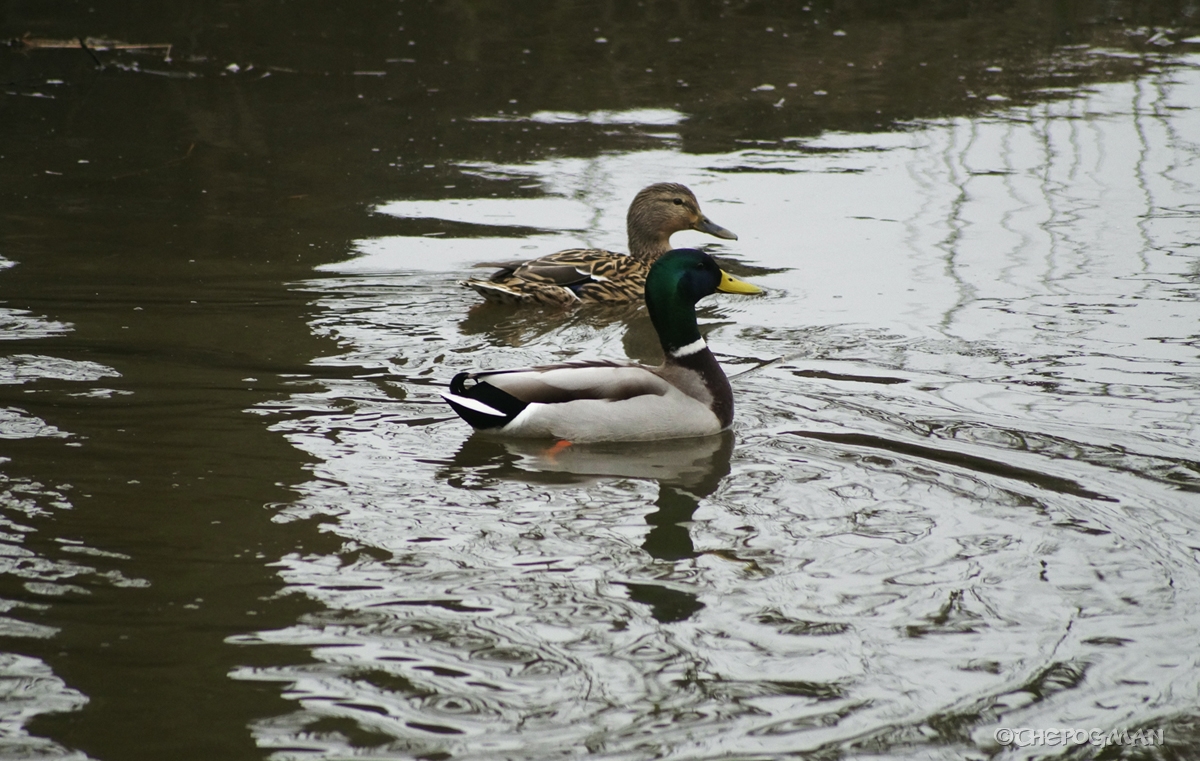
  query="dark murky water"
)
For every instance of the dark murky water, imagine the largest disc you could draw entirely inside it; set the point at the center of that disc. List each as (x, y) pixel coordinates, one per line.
(961, 494)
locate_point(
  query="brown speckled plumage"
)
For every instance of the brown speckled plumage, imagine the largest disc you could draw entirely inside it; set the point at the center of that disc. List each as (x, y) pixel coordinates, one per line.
(581, 275)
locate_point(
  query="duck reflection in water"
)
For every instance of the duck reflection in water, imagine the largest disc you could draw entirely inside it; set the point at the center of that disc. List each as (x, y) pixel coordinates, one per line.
(505, 325)
(604, 324)
(686, 470)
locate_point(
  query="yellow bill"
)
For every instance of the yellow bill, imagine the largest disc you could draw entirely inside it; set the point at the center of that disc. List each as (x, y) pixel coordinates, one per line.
(730, 284)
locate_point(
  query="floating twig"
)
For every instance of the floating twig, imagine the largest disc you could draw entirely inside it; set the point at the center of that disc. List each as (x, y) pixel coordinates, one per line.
(90, 44)
(96, 58)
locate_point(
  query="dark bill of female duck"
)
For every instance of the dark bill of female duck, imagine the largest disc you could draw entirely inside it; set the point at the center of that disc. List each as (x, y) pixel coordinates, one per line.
(688, 395)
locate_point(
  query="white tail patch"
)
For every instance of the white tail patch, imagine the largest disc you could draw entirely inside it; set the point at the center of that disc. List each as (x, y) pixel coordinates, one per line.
(473, 404)
(692, 348)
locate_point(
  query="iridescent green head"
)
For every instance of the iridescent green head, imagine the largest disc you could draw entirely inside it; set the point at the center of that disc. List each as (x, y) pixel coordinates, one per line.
(676, 282)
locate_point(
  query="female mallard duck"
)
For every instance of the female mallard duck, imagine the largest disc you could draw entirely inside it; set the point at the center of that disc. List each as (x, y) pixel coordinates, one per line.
(688, 395)
(594, 275)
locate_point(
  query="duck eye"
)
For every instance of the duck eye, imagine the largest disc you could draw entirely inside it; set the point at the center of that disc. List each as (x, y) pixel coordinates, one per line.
(678, 202)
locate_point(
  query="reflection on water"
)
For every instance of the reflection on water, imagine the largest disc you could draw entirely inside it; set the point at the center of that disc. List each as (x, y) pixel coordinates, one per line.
(960, 493)
(27, 688)
(34, 572)
(686, 470)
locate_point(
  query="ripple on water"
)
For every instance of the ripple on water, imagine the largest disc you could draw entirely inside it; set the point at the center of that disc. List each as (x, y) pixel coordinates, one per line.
(831, 575)
(28, 688)
(962, 516)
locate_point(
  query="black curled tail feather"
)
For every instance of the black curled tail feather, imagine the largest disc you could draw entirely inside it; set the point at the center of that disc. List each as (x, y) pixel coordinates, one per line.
(458, 384)
(506, 407)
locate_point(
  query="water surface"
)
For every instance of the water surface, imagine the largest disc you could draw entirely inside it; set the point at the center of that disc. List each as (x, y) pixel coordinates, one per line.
(960, 493)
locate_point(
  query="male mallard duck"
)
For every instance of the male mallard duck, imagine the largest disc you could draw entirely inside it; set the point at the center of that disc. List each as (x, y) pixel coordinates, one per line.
(688, 395)
(595, 275)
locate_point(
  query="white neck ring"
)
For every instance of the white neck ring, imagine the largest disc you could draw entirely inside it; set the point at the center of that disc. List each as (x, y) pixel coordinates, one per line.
(692, 348)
